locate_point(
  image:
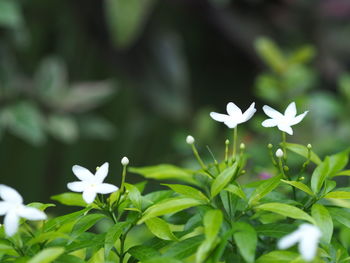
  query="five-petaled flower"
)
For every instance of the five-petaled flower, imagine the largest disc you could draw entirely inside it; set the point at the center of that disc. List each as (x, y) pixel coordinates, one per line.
(283, 121)
(307, 236)
(234, 116)
(13, 208)
(91, 184)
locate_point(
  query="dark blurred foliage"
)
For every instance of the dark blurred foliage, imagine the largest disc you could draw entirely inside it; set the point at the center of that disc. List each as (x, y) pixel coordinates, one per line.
(83, 82)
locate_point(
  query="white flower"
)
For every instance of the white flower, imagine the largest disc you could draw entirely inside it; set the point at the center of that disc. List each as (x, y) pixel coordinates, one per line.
(190, 139)
(125, 161)
(283, 122)
(307, 236)
(235, 115)
(279, 153)
(91, 184)
(13, 208)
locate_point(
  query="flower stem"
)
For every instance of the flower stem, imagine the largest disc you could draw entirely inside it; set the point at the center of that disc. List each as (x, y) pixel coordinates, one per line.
(227, 142)
(284, 145)
(199, 159)
(234, 146)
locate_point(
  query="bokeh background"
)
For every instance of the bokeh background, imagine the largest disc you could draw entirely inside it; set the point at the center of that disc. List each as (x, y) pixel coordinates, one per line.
(84, 82)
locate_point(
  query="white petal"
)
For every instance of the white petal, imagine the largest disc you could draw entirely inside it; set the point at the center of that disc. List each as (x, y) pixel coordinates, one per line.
(269, 123)
(11, 223)
(219, 117)
(78, 186)
(105, 188)
(289, 240)
(286, 128)
(272, 113)
(231, 123)
(233, 110)
(10, 195)
(4, 207)
(298, 118)
(308, 247)
(89, 195)
(31, 213)
(82, 173)
(291, 110)
(248, 113)
(102, 172)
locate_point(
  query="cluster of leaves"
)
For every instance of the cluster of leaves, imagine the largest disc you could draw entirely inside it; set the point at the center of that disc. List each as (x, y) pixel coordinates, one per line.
(208, 216)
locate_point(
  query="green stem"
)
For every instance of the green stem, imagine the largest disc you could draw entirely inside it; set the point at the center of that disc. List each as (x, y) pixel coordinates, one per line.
(201, 163)
(234, 146)
(284, 145)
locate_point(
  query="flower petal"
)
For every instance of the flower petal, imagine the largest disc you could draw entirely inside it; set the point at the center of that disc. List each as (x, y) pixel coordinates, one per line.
(31, 213)
(231, 123)
(219, 117)
(233, 110)
(78, 186)
(89, 195)
(298, 118)
(11, 223)
(308, 247)
(272, 113)
(286, 128)
(248, 113)
(289, 240)
(105, 188)
(291, 110)
(4, 207)
(269, 123)
(82, 173)
(102, 172)
(10, 195)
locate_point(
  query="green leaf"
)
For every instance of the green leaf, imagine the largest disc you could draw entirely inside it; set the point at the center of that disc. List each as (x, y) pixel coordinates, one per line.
(303, 151)
(84, 224)
(126, 19)
(62, 220)
(113, 234)
(338, 195)
(10, 14)
(345, 172)
(47, 255)
(246, 240)
(63, 127)
(40, 206)
(72, 199)
(212, 223)
(338, 161)
(236, 190)
(302, 55)
(274, 230)
(46, 237)
(188, 191)
(300, 186)
(340, 215)
(278, 257)
(319, 176)
(184, 248)
(223, 179)
(134, 195)
(286, 210)
(264, 188)
(169, 206)
(69, 259)
(162, 260)
(323, 221)
(143, 253)
(165, 172)
(160, 228)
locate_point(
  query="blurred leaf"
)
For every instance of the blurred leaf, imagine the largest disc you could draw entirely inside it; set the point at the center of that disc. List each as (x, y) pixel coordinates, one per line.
(223, 179)
(143, 253)
(264, 188)
(126, 19)
(340, 215)
(300, 186)
(303, 151)
(160, 228)
(85, 223)
(319, 175)
(286, 210)
(338, 195)
(236, 189)
(246, 239)
(344, 85)
(343, 173)
(47, 237)
(184, 248)
(302, 55)
(40, 206)
(25, 120)
(188, 191)
(278, 257)
(10, 14)
(274, 230)
(63, 128)
(162, 260)
(298, 79)
(47, 255)
(338, 161)
(68, 198)
(323, 221)
(267, 88)
(93, 126)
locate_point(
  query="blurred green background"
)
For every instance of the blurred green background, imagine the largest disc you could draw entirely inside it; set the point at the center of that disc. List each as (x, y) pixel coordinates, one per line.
(84, 82)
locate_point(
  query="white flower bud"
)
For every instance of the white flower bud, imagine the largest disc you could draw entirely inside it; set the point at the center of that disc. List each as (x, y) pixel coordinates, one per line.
(189, 139)
(279, 153)
(309, 146)
(242, 146)
(125, 161)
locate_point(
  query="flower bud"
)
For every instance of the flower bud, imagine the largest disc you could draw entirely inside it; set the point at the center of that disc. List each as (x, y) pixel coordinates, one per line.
(286, 168)
(279, 153)
(227, 142)
(125, 161)
(309, 146)
(302, 178)
(269, 146)
(242, 146)
(189, 139)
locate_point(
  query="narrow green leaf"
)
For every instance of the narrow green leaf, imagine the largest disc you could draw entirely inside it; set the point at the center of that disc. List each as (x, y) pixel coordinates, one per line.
(237, 190)
(40, 206)
(323, 221)
(134, 196)
(340, 215)
(338, 161)
(61, 220)
(160, 228)
(271, 54)
(212, 223)
(47, 255)
(162, 260)
(84, 224)
(264, 188)
(343, 173)
(143, 253)
(274, 230)
(286, 210)
(184, 248)
(63, 127)
(246, 239)
(338, 195)
(169, 206)
(300, 186)
(319, 176)
(303, 151)
(71, 199)
(48, 236)
(223, 179)
(188, 191)
(112, 236)
(278, 257)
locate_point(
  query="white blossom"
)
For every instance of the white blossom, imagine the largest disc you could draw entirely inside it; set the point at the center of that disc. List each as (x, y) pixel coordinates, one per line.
(190, 139)
(283, 121)
(234, 115)
(307, 236)
(13, 208)
(279, 153)
(91, 185)
(125, 161)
